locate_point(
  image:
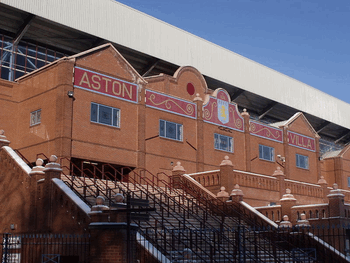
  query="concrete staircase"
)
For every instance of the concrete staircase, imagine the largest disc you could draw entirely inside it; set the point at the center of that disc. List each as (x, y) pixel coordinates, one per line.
(182, 229)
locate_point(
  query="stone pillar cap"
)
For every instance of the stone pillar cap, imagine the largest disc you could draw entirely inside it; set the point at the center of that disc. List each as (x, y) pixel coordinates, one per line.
(335, 192)
(322, 181)
(285, 222)
(237, 191)
(288, 196)
(245, 113)
(303, 221)
(222, 192)
(52, 165)
(39, 168)
(178, 167)
(278, 171)
(226, 161)
(197, 98)
(3, 138)
(119, 198)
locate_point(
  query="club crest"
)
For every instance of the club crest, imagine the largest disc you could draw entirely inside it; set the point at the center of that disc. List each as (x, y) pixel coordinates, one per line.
(223, 113)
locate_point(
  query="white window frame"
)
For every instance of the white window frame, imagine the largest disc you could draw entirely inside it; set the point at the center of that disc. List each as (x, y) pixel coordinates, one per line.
(217, 142)
(114, 111)
(178, 129)
(297, 161)
(35, 117)
(270, 156)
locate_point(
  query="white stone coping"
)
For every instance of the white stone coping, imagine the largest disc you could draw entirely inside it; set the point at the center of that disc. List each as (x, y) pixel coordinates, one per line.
(151, 249)
(76, 199)
(258, 214)
(17, 159)
(267, 206)
(303, 183)
(199, 185)
(312, 205)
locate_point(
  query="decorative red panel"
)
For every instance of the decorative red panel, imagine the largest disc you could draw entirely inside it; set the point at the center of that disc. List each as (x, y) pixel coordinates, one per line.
(171, 104)
(265, 131)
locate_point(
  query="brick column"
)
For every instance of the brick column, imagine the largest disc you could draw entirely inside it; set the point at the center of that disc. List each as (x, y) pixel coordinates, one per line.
(323, 183)
(37, 176)
(287, 202)
(286, 153)
(226, 173)
(3, 139)
(109, 242)
(280, 177)
(200, 134)
(246, 118)
(52, 170)
(336, 202)
(141, 135)
(177, 172)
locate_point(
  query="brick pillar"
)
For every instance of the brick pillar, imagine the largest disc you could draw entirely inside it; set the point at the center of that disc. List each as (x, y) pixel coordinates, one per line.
(287, 202)
(288, 159)
(200, 134)
(109, 242)
(323, 183)
(280, 177)
(37, 176)
(246, 118)
(52, 170)
(226, 173)
(177, 172)
(141, 135)
(336, 202)
(3, 139)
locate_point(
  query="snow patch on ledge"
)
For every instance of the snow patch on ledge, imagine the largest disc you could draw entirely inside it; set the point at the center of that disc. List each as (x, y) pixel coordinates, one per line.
(80, 203)
(257, 213)
(206, 172)
(17, 159)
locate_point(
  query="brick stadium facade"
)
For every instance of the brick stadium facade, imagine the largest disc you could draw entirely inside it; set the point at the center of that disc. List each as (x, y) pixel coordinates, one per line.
(95, 109)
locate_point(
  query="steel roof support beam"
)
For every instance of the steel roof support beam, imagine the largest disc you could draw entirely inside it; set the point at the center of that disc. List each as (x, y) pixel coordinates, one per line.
(149, 68)
(322, 126)
(342, 137)
(267, 109)
(23, 29)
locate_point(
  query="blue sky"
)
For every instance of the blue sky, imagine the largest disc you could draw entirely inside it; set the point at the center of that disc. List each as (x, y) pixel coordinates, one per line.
(308, 40)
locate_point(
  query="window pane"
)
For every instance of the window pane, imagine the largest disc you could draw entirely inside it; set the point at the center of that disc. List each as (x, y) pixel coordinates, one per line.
(93, 112)
(161, 128)
(171, 130)
(38, 116)
(105, 115)
(179, 132)
(116, 117)
(216, 141)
